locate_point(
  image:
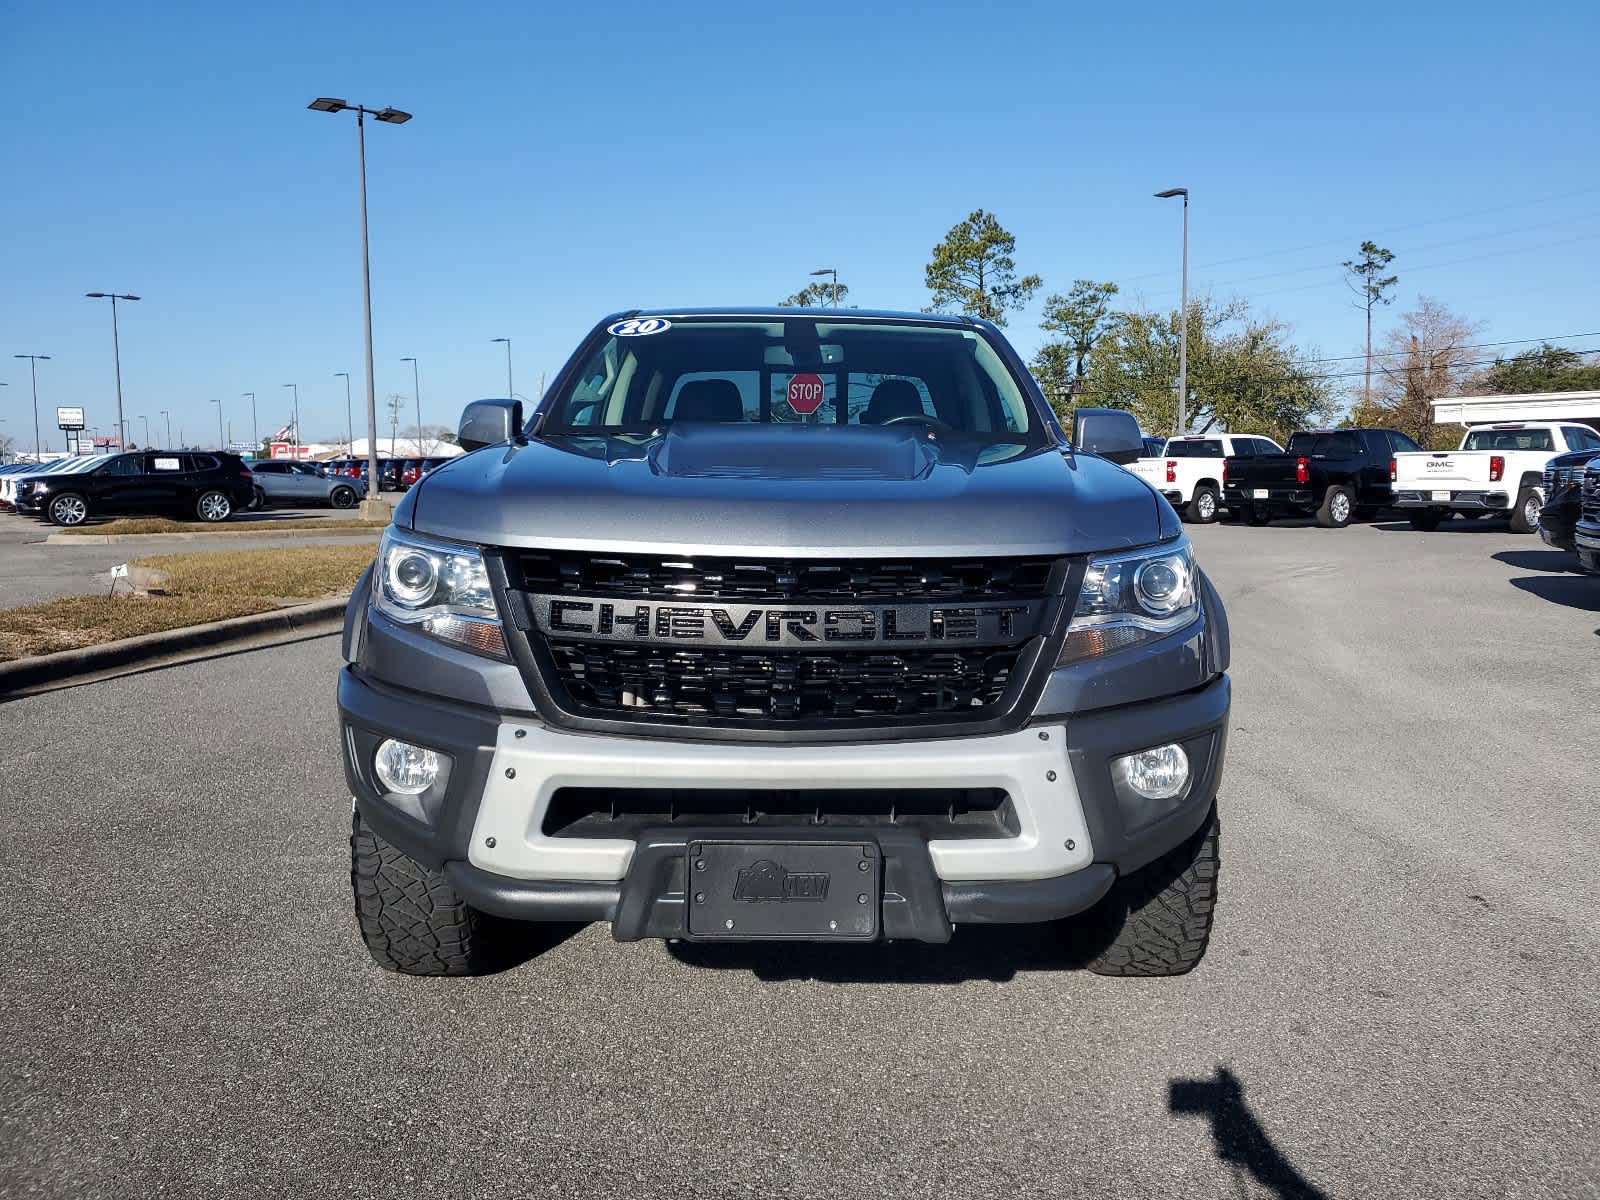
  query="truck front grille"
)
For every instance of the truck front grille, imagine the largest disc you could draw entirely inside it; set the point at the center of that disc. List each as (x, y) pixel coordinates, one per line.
(1591, 494)
(752, 580)
(698, 641)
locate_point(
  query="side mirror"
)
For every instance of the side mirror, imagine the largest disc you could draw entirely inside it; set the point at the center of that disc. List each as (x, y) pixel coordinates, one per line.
(487, 422)
(1108, 432)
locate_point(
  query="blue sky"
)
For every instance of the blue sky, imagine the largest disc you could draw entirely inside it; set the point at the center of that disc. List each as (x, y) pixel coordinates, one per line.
(567, 161)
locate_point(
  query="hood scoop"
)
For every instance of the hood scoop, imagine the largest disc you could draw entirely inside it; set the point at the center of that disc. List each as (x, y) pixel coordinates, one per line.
(750, 451)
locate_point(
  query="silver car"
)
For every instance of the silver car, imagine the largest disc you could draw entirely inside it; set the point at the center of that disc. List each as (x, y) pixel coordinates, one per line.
(279, 481)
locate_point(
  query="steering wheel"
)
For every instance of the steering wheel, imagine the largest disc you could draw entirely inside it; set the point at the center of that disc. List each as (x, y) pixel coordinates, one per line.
(921, 419)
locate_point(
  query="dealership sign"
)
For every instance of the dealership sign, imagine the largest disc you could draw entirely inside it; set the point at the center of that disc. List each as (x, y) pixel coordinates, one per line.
(69, 418)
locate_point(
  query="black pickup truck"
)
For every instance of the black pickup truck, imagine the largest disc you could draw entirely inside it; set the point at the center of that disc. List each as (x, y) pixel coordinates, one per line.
(1335, 475)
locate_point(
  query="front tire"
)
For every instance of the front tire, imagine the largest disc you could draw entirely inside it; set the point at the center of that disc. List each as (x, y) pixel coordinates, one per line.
(411, 919)
(258, 500)
(1337, 507)
(1157, 921)
(1425, 519)
(1525, 516)
(213, 507)
(69, 509)
(1202, 506)
(343, 497)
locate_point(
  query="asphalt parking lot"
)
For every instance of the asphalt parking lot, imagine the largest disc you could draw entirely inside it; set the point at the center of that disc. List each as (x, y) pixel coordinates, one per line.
(31, 570)
(1399, 1000)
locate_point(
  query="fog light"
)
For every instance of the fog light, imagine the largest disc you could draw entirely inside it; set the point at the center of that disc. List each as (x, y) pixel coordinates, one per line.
(404, 768)
(1156, 774)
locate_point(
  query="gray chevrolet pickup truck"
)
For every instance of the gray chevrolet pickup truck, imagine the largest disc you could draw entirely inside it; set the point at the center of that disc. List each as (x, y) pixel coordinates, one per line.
(785, 624)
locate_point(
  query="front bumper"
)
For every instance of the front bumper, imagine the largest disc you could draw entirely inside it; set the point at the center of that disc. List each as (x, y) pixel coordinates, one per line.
(1586, 540)
(483, 822)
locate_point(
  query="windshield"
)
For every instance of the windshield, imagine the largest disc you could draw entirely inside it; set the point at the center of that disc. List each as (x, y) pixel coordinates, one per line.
(841, 374)
(1508, 439)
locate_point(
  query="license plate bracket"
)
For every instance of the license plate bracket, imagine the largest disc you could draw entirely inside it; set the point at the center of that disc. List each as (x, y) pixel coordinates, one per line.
(1437, 495)
(1259, 493)
(807, 890)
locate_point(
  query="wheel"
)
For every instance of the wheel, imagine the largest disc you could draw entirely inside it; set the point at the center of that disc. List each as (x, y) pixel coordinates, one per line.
(342, 497)
(1157, 920)
(1525, 516)
(258, 499)
(1425, 519)
(411, 919)
(69, 508)
(213, 506)
(1259, 515)
(1338, 506)
(1202, 506)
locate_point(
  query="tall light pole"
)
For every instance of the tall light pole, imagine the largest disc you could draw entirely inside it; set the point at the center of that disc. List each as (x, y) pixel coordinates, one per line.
(390, 116)
(255, 432)
(1183, 323)
(116, 352)
(349, 424)
(296, 388)
(507, 341)
(416, 390)
(835, 274)
(168, 416)
(33, 366)
(146, 421)
(221, 443)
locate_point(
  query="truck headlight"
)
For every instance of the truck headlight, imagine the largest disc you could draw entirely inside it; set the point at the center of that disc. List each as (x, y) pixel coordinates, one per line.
(439, 587)
(1130, 598)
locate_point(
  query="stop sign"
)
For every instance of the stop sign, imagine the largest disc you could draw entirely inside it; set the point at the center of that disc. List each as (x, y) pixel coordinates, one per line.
(805, 393)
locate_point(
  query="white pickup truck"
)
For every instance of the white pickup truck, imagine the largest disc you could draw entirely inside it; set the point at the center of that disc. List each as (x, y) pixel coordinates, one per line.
(1190, 474)
(1497, 471)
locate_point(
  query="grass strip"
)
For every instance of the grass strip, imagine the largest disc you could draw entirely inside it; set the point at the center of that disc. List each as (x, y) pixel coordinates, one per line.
(164, 525)
(302, 572)
(71, 622)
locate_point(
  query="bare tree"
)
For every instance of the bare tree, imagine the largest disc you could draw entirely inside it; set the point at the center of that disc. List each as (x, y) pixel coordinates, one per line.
(1372, 287)
(1427, 357)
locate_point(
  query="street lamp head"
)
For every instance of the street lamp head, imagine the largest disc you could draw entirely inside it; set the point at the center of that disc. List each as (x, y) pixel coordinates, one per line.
(327, 104)
(44, 357)
(507, 341)
(343, 374)
(1171, 192)
(408, 360)
(391, 116)
(824, 271)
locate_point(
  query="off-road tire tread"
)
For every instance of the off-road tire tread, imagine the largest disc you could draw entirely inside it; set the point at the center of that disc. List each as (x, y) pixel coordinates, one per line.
(411, 919)
(1159, 917)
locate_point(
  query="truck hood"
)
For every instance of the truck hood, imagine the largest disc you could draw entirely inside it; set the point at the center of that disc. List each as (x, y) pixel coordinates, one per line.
(787, 490)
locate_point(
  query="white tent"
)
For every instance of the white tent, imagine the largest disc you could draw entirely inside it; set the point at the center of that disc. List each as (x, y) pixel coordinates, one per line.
(1533, 406)
(404, 447)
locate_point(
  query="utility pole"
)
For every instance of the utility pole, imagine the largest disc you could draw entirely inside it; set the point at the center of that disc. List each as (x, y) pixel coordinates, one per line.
(168, 416)
(1183, 322)
(373, 506)
(349, 422)
(116, 351)
(416, 390)
(255, 432)
(296, 388)
(510, 395)
(33, 368)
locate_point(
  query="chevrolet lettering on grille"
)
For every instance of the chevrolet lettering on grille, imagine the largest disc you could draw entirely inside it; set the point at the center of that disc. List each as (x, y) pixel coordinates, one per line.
(1000, 623)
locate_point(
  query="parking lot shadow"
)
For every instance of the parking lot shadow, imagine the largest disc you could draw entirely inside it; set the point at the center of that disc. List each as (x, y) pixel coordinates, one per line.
(1241, 1143)
(989, 952)
(525, 942)
(1571, 591)
(1558, 562)
(1454, 526)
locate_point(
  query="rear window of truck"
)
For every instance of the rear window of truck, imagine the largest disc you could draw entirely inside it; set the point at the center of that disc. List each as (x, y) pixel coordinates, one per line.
(1508, 439)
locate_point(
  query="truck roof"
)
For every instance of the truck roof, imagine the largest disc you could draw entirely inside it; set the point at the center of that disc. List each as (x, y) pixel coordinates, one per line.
(956, 320)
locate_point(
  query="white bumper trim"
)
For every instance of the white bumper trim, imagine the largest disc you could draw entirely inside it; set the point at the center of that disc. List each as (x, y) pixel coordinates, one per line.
(1030, 765)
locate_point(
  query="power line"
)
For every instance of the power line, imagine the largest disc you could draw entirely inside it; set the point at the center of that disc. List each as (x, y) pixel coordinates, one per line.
(1481, 212)
(1563, 337)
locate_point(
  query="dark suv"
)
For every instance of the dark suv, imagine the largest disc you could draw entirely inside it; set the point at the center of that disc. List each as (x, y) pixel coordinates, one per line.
(209, 485)
(1563, 498)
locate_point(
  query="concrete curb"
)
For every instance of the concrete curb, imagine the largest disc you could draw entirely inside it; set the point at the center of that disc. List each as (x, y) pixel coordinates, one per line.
(117, 539)
(47, 672)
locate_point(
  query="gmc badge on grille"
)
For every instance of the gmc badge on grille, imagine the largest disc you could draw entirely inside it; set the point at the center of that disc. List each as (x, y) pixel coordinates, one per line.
(569, 617)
